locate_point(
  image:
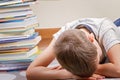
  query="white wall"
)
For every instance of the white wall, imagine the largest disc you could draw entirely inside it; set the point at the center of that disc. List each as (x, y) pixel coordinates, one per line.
(55, 13)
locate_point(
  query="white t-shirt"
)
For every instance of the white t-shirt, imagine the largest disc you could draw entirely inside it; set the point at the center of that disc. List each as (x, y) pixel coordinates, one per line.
(106, 33)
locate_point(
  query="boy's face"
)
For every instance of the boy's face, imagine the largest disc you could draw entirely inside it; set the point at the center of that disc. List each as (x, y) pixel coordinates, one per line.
(91, 37)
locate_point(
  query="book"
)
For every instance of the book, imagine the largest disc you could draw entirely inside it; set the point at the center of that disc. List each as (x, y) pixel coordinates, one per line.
(13, 9)
(16, 34)
(13, 51)
(14, 61)
(15, 65)
(19, 56)
(19, 23)
(2, 20)
(13, 14)
(9, 2)
(28, 59)
(15, 39)
(2, 3)
(18, 39)
(17, 47)
(19, 29)
(9, 68)
(21, 44)
(18, 4)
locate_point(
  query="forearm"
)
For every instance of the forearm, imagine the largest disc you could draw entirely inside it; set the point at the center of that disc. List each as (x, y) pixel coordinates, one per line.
(109, 70)
(43, 73)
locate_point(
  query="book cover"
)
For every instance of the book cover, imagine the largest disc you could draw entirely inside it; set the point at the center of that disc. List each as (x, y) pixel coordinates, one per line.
(12, 39)
(19, 56)
(16, 65)
(13, 51)
(13, 65)
(19, 29)
(18, 4)
(8, 68)
(16, 34)
(2, 3)
(18, 13)
(19, 23)
(24, 43)
(28, 59)
(3, 10)
(21, 44)
(17, 47)
(2, 20)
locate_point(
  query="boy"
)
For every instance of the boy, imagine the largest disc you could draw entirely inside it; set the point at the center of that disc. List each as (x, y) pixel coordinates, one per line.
(81, 47)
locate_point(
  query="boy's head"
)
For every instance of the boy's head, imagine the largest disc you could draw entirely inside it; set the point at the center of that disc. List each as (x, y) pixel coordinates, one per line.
(76, 53)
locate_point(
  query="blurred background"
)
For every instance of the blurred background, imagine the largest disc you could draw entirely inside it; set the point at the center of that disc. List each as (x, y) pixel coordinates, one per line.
(55, 13)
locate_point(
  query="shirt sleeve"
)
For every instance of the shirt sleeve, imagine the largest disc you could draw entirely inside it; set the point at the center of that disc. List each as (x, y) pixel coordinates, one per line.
(109, 34)
(67, 26)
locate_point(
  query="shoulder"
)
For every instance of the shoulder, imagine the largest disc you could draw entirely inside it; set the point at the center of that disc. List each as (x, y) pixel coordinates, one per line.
(114, 53)
(67, 26)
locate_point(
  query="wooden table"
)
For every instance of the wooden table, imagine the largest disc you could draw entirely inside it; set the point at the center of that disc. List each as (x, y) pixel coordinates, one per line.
(47, 35)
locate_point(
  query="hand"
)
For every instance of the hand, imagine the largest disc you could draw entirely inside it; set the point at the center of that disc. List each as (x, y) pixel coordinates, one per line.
(72, 76)
(98, 76)
(94, 77)
(64, 72)
(69, 75)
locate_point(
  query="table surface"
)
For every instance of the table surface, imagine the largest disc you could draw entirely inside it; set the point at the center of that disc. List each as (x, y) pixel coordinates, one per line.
(19, 75)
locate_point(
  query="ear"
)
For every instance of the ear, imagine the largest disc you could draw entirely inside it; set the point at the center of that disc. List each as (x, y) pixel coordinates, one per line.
(91, 37)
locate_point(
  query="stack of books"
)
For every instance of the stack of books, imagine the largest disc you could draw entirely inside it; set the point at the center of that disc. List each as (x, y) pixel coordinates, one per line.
(18, 39)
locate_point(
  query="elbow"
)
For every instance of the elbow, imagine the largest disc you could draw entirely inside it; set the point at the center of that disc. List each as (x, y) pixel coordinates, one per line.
(28, 74)
(34, 73)
(118, 72)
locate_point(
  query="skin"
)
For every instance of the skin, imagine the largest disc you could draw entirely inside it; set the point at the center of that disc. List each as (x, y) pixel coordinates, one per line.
(38, 69)
(111, 69)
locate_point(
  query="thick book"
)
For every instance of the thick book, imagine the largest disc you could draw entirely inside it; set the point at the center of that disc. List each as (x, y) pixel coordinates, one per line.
(16, 65)
(17, 47)
(18, 4)
(7, 19)
(23, 29)
(9, 68)
(28, 59)
(19, 23)
(19, 56)
(9, 2)
(16, 34)
(14, 50)
(14, 9)
(20, 44)
(16, 39)
(18, 13)
(2, 3)
(11, 65)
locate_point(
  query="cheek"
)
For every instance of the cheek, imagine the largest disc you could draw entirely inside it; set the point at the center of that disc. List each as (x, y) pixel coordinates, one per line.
(99, 50)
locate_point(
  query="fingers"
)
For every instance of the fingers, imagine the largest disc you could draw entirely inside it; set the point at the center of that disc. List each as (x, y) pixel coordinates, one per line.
(94, 77)
(98, 76)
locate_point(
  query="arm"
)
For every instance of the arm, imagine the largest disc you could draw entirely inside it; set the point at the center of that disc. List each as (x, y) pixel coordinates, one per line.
(111, 69)
(38, 69)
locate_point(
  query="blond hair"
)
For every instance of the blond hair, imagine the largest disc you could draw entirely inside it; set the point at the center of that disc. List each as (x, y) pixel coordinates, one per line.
(76, 53)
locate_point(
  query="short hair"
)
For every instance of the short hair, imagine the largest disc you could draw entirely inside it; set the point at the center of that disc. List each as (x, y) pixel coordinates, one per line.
(76, 53)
